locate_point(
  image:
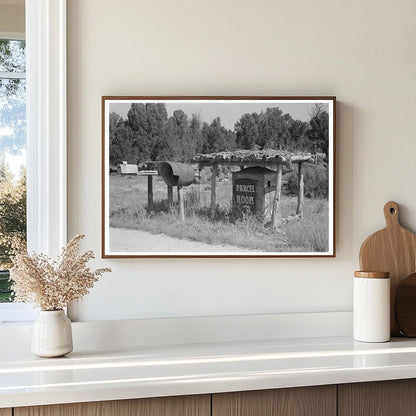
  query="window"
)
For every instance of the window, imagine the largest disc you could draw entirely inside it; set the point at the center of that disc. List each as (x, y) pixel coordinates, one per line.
(12, 165)
(46, 133)
(12, 154)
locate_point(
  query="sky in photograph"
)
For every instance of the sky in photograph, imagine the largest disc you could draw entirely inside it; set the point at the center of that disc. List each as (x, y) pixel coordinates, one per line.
(229, 113)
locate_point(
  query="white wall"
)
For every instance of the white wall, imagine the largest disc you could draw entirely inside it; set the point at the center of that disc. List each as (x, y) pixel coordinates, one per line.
(361, 51)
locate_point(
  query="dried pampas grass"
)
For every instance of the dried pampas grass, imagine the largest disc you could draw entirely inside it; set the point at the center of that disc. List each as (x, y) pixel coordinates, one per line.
(53, 285)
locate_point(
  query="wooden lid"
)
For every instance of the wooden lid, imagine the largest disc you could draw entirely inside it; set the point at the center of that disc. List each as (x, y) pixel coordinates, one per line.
(372, 275)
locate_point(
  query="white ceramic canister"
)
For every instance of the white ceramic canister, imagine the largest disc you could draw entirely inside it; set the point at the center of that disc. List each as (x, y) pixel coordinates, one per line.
(371, 322)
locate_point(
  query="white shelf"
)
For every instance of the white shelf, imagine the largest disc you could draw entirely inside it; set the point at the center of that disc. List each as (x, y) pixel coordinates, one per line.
(150, 371)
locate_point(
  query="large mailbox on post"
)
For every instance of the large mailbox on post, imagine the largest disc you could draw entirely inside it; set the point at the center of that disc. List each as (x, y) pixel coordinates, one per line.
(253, 191)
(176, 174)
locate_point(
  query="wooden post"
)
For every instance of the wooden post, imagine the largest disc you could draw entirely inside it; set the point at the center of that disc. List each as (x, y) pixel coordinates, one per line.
(149, 192)
(299, 209)
(170, 197)
(181, 203)
(214, 171)
(199, 186)
(276, 216)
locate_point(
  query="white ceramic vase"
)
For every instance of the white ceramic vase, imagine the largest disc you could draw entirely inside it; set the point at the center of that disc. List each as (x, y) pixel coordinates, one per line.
(52, 334)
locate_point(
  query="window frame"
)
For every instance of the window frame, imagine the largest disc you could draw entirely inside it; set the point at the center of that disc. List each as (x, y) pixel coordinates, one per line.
(46, 137)
(46, 125)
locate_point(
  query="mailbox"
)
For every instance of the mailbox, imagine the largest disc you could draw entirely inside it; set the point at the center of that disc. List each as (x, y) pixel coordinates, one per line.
(253, 191)
(176, 174)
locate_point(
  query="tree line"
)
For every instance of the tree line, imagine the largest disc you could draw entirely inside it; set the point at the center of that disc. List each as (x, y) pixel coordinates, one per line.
(148, 134)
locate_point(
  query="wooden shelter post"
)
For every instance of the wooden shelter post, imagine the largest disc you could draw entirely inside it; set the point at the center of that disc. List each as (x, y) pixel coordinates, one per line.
(214, 172)
(299, 210)
(149, 192)
(276, 215)
(181, 203)
(199, 185)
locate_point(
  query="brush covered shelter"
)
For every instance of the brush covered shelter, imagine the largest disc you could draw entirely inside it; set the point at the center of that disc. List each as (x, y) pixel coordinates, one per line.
(260, 175)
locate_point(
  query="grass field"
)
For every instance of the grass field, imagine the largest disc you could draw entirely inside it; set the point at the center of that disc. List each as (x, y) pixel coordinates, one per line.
(128, 209)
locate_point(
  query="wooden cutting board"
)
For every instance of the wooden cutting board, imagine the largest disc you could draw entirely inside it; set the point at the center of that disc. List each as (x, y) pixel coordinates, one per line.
(393, 250)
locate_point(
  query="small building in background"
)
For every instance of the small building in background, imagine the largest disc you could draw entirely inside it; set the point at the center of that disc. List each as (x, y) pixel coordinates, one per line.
(128, 169)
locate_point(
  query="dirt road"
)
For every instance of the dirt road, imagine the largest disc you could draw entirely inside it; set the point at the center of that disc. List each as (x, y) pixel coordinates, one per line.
(137, 241)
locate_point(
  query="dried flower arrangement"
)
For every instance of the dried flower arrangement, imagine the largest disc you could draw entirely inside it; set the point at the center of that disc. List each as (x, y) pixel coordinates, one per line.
(53, 285)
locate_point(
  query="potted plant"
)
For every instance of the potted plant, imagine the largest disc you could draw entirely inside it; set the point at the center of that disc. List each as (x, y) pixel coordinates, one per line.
(52, 286)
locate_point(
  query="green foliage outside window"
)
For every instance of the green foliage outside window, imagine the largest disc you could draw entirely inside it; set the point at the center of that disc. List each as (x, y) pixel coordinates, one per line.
(12, 223)
(12, 145)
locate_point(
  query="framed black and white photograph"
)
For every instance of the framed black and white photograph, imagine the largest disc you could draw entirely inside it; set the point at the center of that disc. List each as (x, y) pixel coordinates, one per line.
(218, 176)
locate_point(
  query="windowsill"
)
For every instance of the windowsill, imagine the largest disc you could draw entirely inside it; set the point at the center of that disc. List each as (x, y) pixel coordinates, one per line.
(16, 313)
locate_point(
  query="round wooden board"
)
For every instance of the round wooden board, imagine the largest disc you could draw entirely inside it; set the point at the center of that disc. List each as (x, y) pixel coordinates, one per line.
(405, 305)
